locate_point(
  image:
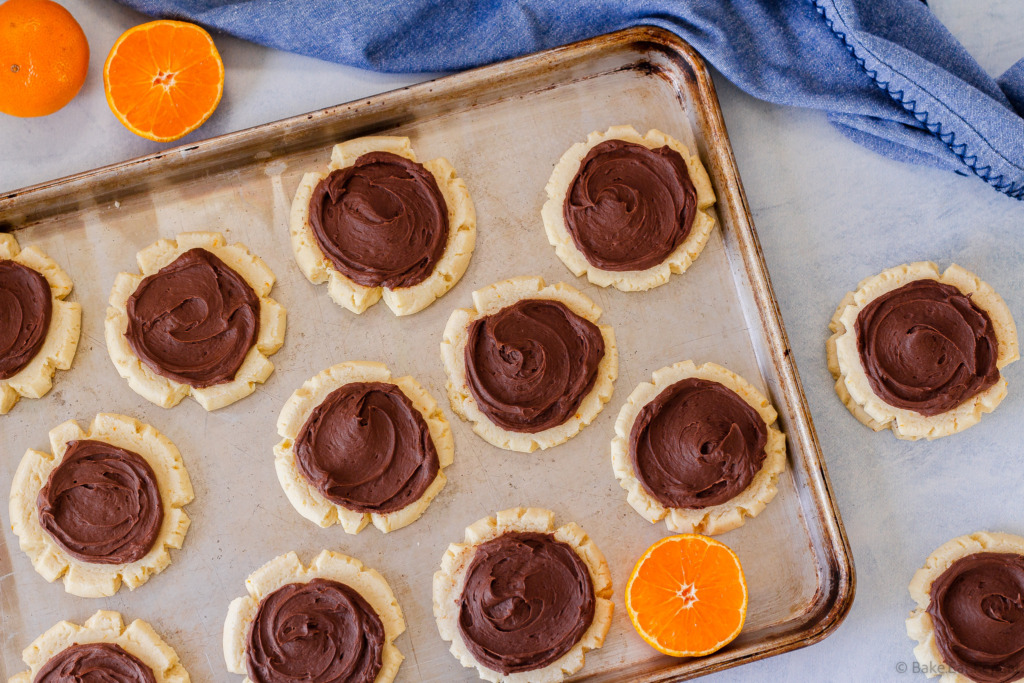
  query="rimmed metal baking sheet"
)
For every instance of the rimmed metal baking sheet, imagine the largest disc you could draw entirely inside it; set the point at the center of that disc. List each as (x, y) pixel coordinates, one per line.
(503, 127)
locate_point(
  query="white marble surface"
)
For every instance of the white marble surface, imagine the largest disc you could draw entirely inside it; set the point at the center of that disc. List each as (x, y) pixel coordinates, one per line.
(828, 213)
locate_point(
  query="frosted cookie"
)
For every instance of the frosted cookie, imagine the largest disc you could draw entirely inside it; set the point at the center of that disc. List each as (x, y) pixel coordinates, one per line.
(348, 615)
(968, 623)
(920, 352)
(380, 224)
(569, 594)
(628, 210)
(104, 508)
(197, 321)
(40, 330)
(341, 426)
(529, 365)
(101, 649)
(698, 447)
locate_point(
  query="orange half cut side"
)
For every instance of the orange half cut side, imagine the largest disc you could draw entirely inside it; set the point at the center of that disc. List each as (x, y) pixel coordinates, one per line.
(687, 596)
(163, 79)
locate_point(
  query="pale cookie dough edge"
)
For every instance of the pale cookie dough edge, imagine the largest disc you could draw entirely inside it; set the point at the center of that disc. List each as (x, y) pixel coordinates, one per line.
(405, 300)
(493, 298)
(919, 623)
(58, 349)
(84, 579)
(851, 382)
(288, 568)
(636, 280)
(716, 519)
(138, 639)
(449, 579)
(310, 502)
(255, 368)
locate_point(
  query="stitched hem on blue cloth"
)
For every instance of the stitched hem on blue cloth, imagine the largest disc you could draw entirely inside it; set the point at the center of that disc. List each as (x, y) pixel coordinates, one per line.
(996, 180)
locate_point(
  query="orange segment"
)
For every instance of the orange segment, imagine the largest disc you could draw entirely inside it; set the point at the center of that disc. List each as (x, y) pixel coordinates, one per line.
(687, 596)
(163, 79)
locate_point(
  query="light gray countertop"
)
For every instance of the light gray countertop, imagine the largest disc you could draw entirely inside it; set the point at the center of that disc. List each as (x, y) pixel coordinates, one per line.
(828, 213)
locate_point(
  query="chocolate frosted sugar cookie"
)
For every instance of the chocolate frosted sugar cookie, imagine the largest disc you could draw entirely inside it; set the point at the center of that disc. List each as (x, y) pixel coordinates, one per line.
(331, 622)
(38, 330)
(360, 446)
(969, 622)
(196, 321)
(104, 508)
(101, 649)
(379, 224)
(519, 558)
(529, 365)
(628, 210)
(920, 352)
(699, 448)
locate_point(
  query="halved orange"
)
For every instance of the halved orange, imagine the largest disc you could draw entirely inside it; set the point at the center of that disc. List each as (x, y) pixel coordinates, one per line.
(687, 596)
(163, 79)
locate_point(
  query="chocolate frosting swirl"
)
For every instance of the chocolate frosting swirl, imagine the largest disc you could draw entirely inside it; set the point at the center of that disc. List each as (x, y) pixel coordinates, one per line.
(95, 663)
(927, 347)
(977, 609)
(25, 309)
(382, 222)
(317, 632)
(697, 444)
(367, 448)
(194, 320)
(629, 207)
(101, 504)
(531, 364)
(526, 601)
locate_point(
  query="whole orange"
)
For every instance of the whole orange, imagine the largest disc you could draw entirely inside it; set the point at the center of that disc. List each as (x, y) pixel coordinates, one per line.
(44, 57)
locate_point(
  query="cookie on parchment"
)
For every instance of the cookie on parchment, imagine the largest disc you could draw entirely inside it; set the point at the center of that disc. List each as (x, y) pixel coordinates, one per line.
(528, 365)
(628, 210)
(334, 599)
(63, 505)
(339, 424)
(168, 345)
(571, 606)
(102, 648)
(380, 224)
(46, 337)
(699, 448)
(920, 352)
(968, 622)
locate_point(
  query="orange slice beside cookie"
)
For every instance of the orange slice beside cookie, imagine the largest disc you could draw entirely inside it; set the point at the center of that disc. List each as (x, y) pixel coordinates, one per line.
(687, 596)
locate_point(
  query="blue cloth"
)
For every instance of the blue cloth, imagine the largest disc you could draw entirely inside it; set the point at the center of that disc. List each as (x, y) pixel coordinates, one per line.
(889, 74)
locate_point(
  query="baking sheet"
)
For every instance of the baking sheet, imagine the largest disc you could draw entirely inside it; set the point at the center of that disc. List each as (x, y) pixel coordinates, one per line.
(503, 128)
